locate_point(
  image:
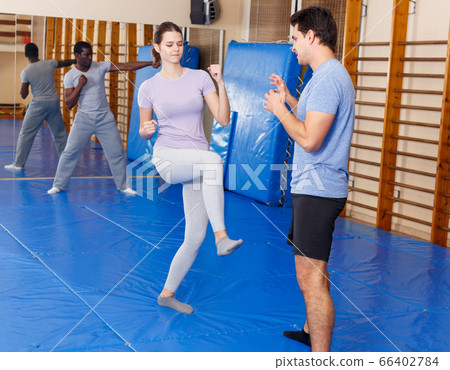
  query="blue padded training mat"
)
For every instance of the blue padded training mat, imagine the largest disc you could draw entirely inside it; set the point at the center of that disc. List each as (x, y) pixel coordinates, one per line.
(258, 149)
(81, 270)
(138, 148)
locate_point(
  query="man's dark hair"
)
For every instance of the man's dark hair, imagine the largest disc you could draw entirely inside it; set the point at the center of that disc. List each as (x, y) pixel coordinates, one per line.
(31, 50)
(320, 21)
(79, 46)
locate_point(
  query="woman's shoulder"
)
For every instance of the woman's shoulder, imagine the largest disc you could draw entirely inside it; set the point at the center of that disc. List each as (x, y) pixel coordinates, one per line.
(148, 82)
(197, 72)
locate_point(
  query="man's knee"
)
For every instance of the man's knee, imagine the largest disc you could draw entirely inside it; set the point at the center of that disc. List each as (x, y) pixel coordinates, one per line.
(311, 276)
(72, 152)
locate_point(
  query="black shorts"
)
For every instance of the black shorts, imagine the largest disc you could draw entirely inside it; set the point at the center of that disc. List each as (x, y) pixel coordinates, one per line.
(312, 226)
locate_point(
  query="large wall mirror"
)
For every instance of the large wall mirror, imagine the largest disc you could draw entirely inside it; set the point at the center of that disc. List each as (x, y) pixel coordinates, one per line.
(55, 37)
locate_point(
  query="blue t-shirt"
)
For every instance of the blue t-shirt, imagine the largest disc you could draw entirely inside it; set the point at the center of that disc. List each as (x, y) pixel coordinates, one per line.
(41, 77)
(324, 172)
(93, 95)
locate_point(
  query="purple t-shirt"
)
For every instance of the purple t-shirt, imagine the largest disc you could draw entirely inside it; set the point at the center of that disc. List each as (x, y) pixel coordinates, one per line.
(178, 104)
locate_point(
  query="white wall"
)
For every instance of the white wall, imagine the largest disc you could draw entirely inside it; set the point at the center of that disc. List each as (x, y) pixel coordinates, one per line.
(233, 17)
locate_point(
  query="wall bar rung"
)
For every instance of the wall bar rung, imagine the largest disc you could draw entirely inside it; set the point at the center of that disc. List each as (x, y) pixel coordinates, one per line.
(363, 161)
(369, 118)
(418, 107)
(371, 59)
(366, 147)
(421, 75)
(373, 74)
(414, 91)
(414, 123)
(423, 222)
(374, 104)
(359, 190)
(361, 176)
(420, 156)
(411, 203)
(415, 139)
(366, 88)
(357, 204)
(409, 170)
(412, 187)
(371, 44)
(410, 59)
(429, 42)
(369, 133)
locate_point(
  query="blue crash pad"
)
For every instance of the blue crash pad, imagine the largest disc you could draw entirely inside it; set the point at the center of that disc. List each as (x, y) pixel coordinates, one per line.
(258, 149)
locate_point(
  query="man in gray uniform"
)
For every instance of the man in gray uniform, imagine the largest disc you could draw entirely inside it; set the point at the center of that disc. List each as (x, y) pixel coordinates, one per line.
(44, 106)
(85, 85)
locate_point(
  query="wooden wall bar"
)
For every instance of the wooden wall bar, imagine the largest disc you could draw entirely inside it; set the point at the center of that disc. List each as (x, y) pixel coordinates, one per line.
(79, 31)
(393, 96)
(67, 55)
(403, 192)
(351, 36)
(101, 41)
(59, 73)
(439, 233)
(90, 28)
(114, 58)
(49, 38)
(132, 53)
(148, 34)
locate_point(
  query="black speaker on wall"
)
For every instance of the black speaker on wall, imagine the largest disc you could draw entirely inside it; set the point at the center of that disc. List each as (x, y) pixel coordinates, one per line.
(204, 11)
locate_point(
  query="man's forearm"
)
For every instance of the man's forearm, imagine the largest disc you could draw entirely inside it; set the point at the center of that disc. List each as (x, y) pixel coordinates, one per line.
(292, 102)
(72, 99)
(66, 63)
(129, 66)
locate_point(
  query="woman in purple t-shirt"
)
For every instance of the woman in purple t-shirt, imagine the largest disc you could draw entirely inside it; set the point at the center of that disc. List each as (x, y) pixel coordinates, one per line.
(181, 152)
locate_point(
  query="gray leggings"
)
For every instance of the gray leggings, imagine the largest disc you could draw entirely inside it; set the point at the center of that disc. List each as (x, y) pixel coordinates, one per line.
(37, 113)
(103, 125)
(201, 173)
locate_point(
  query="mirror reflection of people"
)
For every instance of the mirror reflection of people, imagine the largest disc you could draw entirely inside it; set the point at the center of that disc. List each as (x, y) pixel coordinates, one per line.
(44, 106)
(85, 84)
(321, 124)
(181, 154)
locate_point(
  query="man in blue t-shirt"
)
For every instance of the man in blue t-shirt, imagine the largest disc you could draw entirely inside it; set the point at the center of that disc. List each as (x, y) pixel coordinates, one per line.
(40, 75)
(85, 85)
(321, 124)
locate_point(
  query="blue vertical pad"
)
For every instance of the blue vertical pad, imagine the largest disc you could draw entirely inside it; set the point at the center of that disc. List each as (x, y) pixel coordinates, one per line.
(258, 149)
(221, 138)
(137, 146)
